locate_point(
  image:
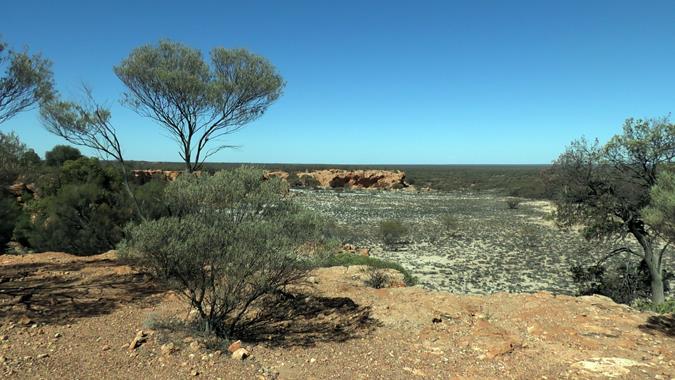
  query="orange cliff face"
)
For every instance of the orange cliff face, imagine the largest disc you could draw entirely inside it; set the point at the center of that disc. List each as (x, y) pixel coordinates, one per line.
(326, 178)
(144, 176)
(358, 179)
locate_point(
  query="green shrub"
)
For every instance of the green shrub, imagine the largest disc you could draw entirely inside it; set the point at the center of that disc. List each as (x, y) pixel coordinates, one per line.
(667, 307)
(80, 218)
(231, 242)
(60, 154)
(150, 198)
(624, 283)
(392, 231)
(377, 278)
(349, 259)
(81, 210)
(9, 215)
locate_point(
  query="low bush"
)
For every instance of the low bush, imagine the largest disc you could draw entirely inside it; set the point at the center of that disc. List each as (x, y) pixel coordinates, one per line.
(667, 307)
(60, 154)
(349, 259)
(230, 243)
(376, 278)
(81, 210)
(392, 231)
(10, 213)
(624, 283)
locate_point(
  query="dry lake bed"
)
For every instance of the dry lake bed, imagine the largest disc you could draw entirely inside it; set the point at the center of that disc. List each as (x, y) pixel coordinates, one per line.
(463, 242)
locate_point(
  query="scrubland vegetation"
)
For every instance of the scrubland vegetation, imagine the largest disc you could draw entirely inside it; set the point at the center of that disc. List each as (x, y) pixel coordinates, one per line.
(599, 220)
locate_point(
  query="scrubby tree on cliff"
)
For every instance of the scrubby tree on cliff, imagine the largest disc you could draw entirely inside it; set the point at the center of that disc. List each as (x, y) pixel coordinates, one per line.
(27, 80)
(605, 188)
(196, 102)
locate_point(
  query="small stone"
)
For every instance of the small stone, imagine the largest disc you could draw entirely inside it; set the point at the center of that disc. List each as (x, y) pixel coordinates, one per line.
(194, 373)
(312, 280)
(105, 348)
(240, 354)
(138, 340)
(4, 337)
(234, 346)
(195, 346)
(57, 335)
(168, 349)
(312, 360)
(25, 321)
(42, 356)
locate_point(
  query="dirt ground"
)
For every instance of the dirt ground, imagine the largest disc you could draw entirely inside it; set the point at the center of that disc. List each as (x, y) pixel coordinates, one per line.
(71, 317)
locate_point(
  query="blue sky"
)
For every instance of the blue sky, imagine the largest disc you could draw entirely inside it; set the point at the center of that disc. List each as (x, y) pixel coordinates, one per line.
(381, 82)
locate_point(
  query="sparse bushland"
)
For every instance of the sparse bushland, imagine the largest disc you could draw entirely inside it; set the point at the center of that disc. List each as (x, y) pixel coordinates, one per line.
(392, 232)
(606, 188)
(230, 243)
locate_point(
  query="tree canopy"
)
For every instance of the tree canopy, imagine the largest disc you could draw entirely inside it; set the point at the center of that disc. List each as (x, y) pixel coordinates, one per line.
(27, 80)
(605, 188)
(197, 102)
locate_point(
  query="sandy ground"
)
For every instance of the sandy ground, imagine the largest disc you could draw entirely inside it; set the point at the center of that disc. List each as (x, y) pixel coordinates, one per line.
(68, 317)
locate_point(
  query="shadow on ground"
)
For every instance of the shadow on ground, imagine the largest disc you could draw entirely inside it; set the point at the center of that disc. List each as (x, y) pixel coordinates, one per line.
(304, 320)
(664, 324)
(59, 293)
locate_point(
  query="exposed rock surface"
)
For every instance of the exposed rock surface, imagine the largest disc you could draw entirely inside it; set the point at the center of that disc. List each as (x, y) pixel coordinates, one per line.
(83, 310)
(358, 179)
(143, 176)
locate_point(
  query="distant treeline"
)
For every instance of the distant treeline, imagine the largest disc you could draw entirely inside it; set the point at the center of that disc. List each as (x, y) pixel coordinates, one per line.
(527, 181)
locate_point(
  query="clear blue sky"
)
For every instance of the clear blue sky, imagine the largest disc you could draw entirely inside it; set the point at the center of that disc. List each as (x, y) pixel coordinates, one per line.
(412, 82)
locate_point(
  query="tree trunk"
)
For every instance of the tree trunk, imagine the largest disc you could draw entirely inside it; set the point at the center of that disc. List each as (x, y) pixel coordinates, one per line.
(656, 276)
(655, 272)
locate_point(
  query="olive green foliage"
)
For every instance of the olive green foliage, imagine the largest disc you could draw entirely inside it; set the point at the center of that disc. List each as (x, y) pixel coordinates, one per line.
(660, 213)
(392, 231)
(348, 259)
(376, 278)
(60, 154)
(198, 102)
(231, 241)
(14, 157)
(623, 283)
(81, 210)
(605, 188)
(25, 81)
(10, 213)
(89, 125)
(150, 198)
(667, 307)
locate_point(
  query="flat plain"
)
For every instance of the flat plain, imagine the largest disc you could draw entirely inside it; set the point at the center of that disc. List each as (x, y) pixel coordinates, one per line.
(463, 242)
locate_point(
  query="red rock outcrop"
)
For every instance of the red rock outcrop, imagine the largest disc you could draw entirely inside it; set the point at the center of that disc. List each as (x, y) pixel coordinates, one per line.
(144, 176)
(358, 179)
(278, 173)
